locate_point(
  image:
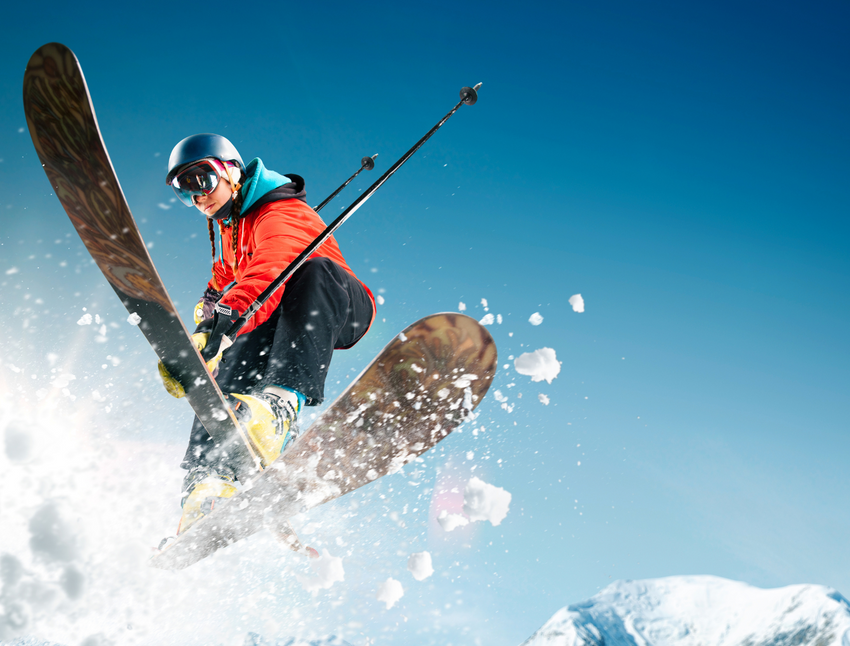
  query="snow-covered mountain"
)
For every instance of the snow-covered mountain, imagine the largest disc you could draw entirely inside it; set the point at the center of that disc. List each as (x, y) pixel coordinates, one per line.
(700, 611)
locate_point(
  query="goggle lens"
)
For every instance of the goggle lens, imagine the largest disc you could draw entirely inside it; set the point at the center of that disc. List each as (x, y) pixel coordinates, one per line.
(199, 179)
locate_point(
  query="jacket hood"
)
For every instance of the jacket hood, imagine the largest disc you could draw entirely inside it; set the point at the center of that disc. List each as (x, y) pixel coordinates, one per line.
(261, 182)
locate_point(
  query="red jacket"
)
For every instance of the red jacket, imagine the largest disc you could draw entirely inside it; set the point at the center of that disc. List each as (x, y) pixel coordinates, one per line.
(270, 237)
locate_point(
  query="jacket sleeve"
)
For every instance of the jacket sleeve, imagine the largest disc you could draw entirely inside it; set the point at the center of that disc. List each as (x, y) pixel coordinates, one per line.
(222, 276)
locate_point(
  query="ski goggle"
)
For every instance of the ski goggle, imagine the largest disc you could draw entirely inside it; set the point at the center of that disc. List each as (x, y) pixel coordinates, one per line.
(201, 178)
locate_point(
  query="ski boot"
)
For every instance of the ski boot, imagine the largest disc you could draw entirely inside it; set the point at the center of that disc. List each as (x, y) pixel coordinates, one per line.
(203, 486)
(269, 419)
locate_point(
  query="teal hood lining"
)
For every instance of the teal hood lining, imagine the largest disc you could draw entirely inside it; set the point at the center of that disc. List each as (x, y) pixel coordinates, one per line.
(260, 181)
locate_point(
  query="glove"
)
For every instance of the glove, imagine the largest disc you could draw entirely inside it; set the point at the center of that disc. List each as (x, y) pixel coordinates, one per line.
(201, 340)
(204, 308)
(223, 318)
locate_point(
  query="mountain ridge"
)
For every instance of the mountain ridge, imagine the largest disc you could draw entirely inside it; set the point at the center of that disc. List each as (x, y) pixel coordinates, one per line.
(700, 610)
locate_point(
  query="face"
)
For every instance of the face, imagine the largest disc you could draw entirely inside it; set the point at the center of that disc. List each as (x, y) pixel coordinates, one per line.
(209, 204)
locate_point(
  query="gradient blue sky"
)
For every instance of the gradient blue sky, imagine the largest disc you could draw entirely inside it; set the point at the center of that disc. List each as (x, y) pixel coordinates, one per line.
(684, 168)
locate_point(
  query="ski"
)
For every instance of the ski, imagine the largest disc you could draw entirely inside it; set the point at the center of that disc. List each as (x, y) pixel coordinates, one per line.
(64, 130)
(424, 384)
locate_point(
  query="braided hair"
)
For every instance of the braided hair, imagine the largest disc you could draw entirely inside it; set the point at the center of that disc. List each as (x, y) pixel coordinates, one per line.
(212, 244)
(235, 214)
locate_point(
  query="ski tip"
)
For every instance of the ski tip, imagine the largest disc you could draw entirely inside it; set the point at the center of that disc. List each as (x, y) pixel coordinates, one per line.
(312, 552)
(469, 95)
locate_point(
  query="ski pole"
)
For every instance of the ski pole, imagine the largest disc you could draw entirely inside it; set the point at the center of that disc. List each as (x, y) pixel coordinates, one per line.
(468, 95)
(367, 163)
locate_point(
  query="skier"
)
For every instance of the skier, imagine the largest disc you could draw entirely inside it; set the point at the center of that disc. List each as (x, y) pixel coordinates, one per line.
(280, 359)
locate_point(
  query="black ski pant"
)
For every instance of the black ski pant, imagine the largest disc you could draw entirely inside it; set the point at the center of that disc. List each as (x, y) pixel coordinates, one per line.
(323, 308)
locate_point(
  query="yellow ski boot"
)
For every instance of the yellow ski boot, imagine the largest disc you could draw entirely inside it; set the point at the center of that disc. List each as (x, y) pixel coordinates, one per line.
(202, 488)
(269, 419)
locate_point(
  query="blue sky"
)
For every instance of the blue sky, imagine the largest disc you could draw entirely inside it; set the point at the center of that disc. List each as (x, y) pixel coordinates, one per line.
(684, 168)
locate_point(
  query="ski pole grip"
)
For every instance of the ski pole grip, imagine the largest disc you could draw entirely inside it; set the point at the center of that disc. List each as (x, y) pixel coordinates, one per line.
(239, 323)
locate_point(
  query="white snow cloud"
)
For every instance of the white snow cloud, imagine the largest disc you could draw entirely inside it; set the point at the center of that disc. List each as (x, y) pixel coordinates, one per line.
(482, 501)
(390, 591)
(535, 319)
(539, 365)
(487, 319)
(543, 399)
(12, 270)
(577, 302)
(420, 565)
(450, 522)
(134, 319)
(85, 319)
(327, 570)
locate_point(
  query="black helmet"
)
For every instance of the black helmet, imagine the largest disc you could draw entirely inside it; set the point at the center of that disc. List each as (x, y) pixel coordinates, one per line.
(203, 146)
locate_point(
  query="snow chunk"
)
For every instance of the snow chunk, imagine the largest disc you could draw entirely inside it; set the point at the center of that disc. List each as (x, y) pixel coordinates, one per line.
(12, 270)
(461, 307)
(539, 365)
(450, 522)
(62, 381)
(535, 319)
(380, 299)
(577, 302)
(85, 319)
(543, 399)
(327, 570)
(487, 319)
(134, 319)
(465, 380)
(390, 591)
(420, 565)
(484, 304)
(482, 501)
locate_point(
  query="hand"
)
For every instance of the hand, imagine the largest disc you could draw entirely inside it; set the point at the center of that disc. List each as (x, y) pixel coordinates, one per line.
(174, 387)
(204, 308)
